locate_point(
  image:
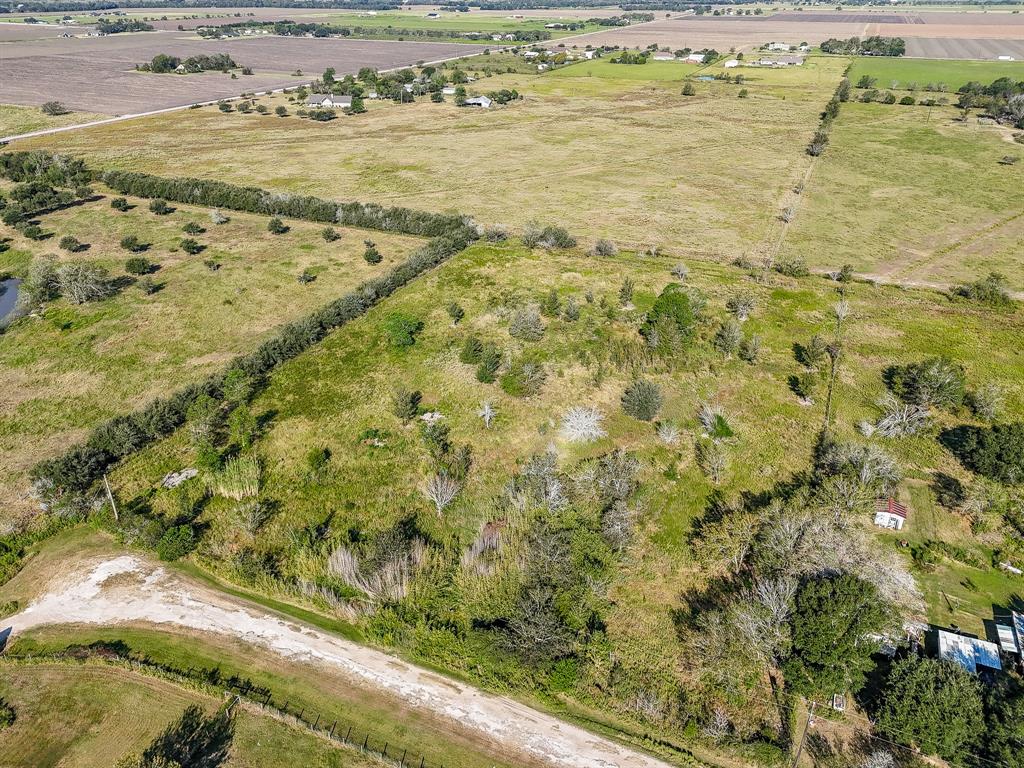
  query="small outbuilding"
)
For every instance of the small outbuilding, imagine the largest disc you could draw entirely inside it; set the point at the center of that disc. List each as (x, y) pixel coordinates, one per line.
(478, 101)
(969, 652)
(889, 513)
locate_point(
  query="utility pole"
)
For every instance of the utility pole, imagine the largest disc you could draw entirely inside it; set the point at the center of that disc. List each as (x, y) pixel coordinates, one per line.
(803, 736)
(110, 496)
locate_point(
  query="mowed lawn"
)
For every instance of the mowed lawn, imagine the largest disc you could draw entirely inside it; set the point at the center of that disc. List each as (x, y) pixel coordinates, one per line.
(338, 397)
(68, 367)
(922, 72)
(606, 150)
(908, 193)
(80, 717)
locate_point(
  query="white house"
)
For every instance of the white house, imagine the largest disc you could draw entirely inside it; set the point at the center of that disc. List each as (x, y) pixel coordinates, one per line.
(969, 652)
(889, 513)
(695, 58)
(731, 63)
(530, 54)
(663, 56)
(478, 101)
(778, 47)
(448, 90)
(328, 100)
(590, 55)
(1004, 58)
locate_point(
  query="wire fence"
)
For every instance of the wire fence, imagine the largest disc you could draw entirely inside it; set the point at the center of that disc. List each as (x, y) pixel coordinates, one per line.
(258, 697)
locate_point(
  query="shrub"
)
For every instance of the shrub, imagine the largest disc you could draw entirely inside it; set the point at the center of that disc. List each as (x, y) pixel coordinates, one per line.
(604, 248)
(571, 312)
(526, 324)
(33, 232)
(132, 243)
(804, 385)
(551, 304)
(176, 543)
(992, 290)
(642, 400)
(673, 306)
(582, 424)
(280, 111)
(371, 254)
(936, 382)
(471, 351)
(138, 265)
(330, 234)
(160, 207)
(523, 378)
(728, 337)
(71, 244)
(626, 292)
(742, 94)
(792, 266)
(405, 403)
(401, 329)
(456, 312)
(54, 109)
(907, 101)
(276, 227)
(193, 228)
(191, 246)
(7, 715)
(689, 90)
(987, 402)
(490, 361)
(750, 349)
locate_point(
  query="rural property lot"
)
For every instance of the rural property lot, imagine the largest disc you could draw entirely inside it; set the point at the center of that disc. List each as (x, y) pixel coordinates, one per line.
(961, 48)
(97, 74)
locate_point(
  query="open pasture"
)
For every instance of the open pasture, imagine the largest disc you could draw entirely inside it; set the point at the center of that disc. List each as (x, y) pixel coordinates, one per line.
(97, 74)
(872, 201)
(83, 716)
(607, 154)
(119, 353)
(953, 74)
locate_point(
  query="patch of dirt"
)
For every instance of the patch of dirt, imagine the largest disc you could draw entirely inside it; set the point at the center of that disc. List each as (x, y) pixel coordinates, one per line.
(123, 589)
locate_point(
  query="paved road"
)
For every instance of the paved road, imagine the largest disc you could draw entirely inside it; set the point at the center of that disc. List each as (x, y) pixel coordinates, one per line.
(126, 588)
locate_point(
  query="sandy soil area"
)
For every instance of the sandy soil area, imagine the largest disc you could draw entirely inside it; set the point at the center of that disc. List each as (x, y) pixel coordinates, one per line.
(128, 589)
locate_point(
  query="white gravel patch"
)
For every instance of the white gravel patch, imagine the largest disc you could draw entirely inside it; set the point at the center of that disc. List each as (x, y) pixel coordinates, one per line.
(146, 592)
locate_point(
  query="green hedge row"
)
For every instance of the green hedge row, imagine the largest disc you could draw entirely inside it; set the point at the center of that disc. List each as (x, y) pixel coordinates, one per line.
(218, 194)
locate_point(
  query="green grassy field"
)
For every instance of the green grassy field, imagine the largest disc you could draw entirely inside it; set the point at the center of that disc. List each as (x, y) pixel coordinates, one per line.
(950, 72)
(906, 193)
(16, 120)
(658, 167)
(124, 351)
(78, 717)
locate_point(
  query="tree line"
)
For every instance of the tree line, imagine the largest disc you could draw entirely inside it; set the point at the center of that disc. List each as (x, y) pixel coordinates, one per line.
(876, 45)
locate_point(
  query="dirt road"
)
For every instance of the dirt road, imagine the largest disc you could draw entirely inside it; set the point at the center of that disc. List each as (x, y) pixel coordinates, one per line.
(128, 589)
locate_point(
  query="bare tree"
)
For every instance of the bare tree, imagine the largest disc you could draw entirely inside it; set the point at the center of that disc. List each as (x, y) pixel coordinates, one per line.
(487, 413)
(900, 419)
(582, 424)
(741, 305)
(680, 271)
(441, 489)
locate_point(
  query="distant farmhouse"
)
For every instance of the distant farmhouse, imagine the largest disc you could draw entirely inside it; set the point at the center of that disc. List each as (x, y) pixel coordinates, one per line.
(328, 100)
(478, 101)
(782, 61)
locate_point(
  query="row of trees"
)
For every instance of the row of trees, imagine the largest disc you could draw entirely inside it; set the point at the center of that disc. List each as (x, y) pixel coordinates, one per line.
(876, 45)
(163, 63)
(821, 135)
(218, 194)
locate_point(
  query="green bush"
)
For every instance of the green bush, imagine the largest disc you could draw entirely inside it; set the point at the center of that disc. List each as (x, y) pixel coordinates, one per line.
(138, 265)
(642, 400)
(160, 207)
(276, 227)
(490, 361)
(119, 204)
(7, 715)
(401, 329)
(996, 452)
(176, 543)
(191, 246)
(371, 254)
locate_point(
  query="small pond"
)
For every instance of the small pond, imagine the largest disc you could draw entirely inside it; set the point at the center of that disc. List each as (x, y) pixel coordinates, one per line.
(8, 296)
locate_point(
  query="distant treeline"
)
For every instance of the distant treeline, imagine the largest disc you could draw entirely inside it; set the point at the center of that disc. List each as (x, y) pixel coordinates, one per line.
(869, 46)
(163, 63)
(289, 28)
(113, 27)
(83, 464)
(45, 6)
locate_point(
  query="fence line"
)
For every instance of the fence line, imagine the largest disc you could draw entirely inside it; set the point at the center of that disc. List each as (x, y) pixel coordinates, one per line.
(257, 698)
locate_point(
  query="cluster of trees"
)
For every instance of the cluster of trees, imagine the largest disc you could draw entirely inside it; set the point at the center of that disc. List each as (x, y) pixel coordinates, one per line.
(821, 135)
(623, 20)
(115, 26)
(163, 63)
(1002, 98)
(876, 45)
(289, 28)
(78, 282)
(44, 182)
